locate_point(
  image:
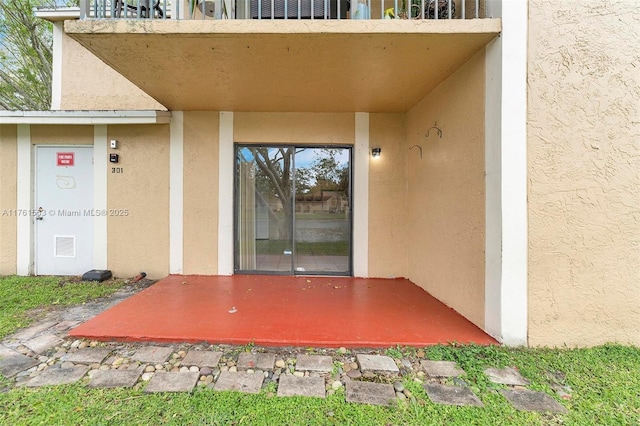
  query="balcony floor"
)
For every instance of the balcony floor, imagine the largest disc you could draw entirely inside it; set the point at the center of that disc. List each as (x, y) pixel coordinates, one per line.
(284, 311)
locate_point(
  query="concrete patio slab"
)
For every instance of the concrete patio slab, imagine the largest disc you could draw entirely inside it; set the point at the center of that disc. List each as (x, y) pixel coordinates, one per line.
(198, 315)
(43, 343)
(377, 363)
(172, 382)
(370, 393)
(13, 362)
(506, 376)
(54, 376)
(152, 354)
(240, 382)
(259, 361)
(451, 395)
(114, 378)
(289, 385)
(87, 355)
(441, 368)
(528, 400)
(317, 363)
(202, 358)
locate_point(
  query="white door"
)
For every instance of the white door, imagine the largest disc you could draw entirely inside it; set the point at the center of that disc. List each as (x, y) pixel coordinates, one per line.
(64, 200)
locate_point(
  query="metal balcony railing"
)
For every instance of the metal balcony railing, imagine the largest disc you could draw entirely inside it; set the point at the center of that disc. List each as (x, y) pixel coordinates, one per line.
(282, 9)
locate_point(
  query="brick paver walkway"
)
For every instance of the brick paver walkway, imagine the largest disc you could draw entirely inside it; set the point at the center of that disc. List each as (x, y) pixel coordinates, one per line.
(367, 378)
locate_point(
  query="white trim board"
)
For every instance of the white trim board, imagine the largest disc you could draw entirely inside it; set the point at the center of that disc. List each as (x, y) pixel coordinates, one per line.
(85, 117)
(225, 194)
(56, 71)
(176, 193)
(361, 196)
(58, 14)
(506, 306)
(493, 187)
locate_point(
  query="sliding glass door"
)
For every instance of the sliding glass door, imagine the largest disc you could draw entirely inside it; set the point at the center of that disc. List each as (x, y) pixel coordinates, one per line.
(293, 210)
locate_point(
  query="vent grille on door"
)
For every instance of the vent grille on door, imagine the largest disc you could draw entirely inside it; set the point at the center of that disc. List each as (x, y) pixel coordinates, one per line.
(64, 246)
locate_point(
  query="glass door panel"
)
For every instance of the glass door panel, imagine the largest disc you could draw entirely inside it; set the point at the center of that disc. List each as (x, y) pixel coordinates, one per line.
(322, 224)
(264, 209)
(293, 210)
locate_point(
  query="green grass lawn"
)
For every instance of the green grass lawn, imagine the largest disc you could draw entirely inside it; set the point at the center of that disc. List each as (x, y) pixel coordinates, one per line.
(321, 216)
(20, 294)
(603, 383)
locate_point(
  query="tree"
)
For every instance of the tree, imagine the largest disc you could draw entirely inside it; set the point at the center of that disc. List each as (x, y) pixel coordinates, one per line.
(25, 55)
(273, 178)
(272, 174)
(328, 173)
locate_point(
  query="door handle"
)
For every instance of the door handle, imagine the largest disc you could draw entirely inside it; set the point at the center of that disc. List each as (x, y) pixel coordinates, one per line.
(40, 216)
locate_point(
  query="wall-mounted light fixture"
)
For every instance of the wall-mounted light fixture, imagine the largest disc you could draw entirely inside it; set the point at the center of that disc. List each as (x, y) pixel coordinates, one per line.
(376, 151)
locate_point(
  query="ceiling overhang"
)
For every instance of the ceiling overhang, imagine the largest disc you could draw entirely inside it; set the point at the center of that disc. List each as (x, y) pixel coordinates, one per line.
(236, 65)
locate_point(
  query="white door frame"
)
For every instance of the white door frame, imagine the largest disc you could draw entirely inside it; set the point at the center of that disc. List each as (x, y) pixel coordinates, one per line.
(24, 201)
(25, 197)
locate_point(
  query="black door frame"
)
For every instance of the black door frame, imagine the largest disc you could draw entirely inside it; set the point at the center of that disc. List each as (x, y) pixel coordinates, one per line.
(236, 249)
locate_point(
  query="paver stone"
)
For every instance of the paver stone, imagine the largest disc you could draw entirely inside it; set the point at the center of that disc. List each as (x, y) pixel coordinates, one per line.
(369, 393)
(379, 363)
(240, 381)
(528, 400)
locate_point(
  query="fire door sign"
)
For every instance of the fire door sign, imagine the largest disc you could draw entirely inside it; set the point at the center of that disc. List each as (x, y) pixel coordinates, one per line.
(65, 158)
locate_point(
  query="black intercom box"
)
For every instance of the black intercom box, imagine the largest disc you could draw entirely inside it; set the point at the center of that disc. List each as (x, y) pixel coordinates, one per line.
(96, 275)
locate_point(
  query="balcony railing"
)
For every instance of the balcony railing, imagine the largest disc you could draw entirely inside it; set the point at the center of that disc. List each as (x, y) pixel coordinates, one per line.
(282, 9)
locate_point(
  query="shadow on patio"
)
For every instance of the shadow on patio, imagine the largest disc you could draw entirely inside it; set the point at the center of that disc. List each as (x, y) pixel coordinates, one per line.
(283, 311)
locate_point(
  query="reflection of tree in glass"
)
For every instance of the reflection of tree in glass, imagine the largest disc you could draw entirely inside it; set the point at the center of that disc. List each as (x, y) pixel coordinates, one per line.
(273, 174)
(327, 172)
(328, 191)
(304, 180)
(273, 183)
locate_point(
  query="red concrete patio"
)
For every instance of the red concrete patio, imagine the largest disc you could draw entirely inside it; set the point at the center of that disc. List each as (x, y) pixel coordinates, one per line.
(283, 311)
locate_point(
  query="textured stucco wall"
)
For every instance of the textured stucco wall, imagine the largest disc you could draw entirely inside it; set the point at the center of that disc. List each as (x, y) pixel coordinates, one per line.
(201, 192)
(90, 84)
(139, 241)
(584, 172)
(446, 192)
(387, 197)
(8, 186)
(61, 135)
(294, 127)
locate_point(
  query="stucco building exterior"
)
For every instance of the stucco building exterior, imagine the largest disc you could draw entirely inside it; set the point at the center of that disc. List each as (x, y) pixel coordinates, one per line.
(508, 179)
